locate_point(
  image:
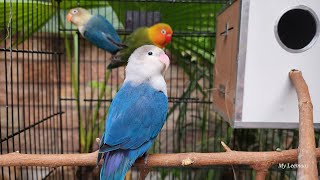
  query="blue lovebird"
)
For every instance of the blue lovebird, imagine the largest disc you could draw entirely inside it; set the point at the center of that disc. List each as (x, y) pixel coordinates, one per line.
(96, 29)
(137, 113)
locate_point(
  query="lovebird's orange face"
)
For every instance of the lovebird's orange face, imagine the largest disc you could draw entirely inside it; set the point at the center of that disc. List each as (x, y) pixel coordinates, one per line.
(160, 34)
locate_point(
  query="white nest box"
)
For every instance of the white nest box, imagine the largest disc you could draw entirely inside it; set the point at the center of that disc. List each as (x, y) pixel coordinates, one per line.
(257, 44)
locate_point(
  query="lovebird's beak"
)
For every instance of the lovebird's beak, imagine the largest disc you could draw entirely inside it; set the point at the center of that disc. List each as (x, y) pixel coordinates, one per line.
(168, 38)
(69, 17)
(165, 60)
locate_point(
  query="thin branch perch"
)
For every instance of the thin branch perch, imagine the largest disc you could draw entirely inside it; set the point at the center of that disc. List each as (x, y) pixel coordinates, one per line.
(307, 147)
(157, 160)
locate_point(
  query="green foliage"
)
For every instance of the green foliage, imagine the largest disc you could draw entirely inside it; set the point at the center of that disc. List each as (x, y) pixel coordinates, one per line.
(98, 85)
(26, 18)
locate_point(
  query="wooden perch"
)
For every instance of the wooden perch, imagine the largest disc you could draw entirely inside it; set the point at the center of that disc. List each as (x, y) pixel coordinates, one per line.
(307, 148)
(259, 159)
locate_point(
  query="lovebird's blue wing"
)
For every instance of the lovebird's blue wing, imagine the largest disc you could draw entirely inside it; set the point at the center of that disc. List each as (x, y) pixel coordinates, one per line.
(136, 116)
(100, 32)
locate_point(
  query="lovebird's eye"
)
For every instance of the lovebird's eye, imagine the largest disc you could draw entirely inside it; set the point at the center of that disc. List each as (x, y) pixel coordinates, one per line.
(150, 53)
(74, 11)
(163, 31)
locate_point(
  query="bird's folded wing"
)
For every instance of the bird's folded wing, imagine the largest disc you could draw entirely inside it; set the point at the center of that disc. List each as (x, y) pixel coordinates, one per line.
(136, 115)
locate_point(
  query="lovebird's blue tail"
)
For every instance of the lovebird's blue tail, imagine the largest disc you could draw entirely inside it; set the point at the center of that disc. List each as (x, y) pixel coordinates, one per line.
(116, 163)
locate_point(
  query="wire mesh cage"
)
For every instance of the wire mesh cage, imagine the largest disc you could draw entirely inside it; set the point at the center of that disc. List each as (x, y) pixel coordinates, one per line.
(56, 91)
(30, 110)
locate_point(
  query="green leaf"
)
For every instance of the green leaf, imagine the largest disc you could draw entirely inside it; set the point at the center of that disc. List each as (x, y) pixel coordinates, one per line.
(98, 85)
(27, 18)
(95, 84)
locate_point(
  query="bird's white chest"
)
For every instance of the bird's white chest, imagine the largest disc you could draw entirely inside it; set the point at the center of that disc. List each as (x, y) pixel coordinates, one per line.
(159, 84)
(81, 30)
(156, 82)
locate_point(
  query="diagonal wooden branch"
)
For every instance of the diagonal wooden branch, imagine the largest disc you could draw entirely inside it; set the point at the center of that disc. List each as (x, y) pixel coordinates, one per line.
(261, 169)
(307, 147)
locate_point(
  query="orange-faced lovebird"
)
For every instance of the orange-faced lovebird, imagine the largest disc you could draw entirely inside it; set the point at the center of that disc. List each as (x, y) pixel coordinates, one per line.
(159, 35)
(96, 29)
(136, 114)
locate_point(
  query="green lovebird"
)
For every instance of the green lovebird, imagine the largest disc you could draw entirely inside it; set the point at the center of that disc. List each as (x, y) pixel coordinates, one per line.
(159, 35)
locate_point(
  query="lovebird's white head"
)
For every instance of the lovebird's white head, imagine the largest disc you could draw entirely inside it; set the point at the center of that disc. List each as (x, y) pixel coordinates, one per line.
(148, 63)
(78, 16)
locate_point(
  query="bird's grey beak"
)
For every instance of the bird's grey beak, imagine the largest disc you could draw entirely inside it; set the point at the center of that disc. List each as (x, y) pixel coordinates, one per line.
(165, 60)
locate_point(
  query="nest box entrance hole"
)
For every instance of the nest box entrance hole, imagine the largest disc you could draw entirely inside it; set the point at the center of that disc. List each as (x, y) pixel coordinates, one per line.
(297, 29)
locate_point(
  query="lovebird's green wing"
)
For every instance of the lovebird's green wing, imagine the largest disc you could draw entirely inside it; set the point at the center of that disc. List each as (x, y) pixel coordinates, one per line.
(136, 39)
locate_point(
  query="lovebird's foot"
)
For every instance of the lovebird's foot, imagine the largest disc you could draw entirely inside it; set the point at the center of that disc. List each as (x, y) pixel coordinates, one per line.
(145, 157)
